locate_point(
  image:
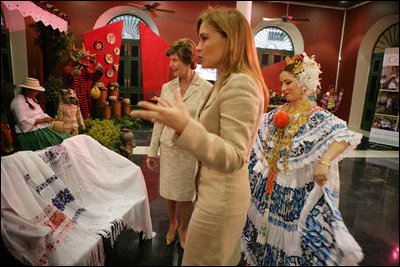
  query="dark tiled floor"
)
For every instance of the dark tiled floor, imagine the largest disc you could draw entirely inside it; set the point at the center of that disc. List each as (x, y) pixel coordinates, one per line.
(369, 203)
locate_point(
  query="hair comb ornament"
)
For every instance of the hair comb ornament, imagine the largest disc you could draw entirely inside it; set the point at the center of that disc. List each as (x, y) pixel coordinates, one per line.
(298, 61)
(307, 71)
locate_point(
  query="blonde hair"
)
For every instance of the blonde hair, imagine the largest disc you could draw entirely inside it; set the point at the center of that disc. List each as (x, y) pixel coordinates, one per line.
(240, 55)
(186, 51)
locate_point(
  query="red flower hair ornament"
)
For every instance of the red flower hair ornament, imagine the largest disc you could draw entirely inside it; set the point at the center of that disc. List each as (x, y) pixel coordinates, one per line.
(281, 119)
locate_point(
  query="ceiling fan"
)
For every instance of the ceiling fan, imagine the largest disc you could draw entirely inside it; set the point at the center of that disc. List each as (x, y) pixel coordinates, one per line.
(287, 18)
(152, 8)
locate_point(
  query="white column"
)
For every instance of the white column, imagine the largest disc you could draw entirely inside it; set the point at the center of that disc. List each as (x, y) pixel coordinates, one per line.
(19, 51)
(245, 8)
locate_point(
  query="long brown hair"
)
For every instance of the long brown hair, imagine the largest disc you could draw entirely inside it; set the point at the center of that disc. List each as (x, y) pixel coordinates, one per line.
(240, 55)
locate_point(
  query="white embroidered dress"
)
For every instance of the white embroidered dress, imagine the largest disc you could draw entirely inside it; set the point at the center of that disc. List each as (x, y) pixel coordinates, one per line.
(303, 225)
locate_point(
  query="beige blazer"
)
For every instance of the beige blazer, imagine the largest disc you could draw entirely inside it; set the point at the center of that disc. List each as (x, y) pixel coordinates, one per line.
(221, 137)
(193, 97)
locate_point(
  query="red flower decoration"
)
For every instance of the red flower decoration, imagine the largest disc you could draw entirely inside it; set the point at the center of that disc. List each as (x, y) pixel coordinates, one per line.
(281, 119)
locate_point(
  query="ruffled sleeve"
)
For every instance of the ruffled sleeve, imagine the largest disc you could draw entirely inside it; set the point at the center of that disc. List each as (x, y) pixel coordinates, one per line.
(314, 138)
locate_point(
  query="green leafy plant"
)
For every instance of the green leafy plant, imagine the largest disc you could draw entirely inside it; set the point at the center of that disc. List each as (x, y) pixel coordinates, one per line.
(129, 122)
(55, 46)
(105, 132)
(53, 88)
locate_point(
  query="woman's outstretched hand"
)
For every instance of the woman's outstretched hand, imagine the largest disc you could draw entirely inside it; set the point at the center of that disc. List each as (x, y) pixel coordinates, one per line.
(175, 116)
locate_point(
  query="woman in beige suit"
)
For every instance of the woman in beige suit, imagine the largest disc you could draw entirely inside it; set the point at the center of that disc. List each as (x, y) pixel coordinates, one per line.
(177, 165)
(220, 136)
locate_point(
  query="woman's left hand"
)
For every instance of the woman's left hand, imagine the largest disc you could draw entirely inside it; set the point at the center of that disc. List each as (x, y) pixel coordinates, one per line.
(321, 174)
(175, 116)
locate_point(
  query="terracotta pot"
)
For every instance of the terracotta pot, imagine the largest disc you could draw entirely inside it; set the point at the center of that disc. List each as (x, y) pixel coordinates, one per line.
(103, 97)
(105, 113)
(116, 109)
(114, 92)
(127, 109)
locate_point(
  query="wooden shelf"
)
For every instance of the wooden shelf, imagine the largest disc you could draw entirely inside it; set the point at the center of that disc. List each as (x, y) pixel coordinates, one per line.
(386, 115)
(388, 90)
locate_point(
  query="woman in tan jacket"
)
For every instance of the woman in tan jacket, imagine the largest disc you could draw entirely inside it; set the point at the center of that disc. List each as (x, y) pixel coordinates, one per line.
(177, 165)
(220, 136)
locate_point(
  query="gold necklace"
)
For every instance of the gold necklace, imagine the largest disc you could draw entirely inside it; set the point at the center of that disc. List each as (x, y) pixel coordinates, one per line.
(282, 138)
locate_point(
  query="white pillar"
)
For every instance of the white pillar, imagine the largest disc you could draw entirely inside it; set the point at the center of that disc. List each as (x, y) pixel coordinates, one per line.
(245, 8)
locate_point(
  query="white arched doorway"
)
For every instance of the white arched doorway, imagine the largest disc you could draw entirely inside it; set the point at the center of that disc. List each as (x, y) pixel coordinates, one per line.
(362, 69)
(125, 10)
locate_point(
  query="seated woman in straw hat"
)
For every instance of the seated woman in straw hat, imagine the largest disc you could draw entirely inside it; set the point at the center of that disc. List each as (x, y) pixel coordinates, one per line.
(32, 125)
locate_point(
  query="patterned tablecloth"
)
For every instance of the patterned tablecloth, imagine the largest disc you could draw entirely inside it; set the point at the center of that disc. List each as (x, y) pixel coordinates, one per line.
(57, 203)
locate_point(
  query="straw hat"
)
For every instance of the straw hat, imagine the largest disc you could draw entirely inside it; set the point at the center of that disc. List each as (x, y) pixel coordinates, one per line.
(31, 83)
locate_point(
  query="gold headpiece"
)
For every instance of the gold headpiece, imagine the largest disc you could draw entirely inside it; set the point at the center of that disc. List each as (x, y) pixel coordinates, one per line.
(307, 71)
(298, 61)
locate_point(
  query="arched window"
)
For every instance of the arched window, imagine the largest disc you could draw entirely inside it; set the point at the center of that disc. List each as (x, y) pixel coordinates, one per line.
(130, 63)
(131, 26)
(389, 38)
(273, 45)
(273, 38)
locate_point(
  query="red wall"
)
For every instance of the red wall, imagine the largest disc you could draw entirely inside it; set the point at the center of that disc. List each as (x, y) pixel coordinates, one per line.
(171, 26)
(321, 35)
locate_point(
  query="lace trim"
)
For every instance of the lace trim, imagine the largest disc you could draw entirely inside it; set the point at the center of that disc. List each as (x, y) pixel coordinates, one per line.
(312, 140)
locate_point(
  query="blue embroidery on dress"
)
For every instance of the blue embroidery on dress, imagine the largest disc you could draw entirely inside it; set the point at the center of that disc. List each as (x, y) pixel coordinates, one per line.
(287, 203)
(55, 156)
(77, 213)
(265, 254)
(321, 128)
(63, 197)
(317, 240)
(45, 183)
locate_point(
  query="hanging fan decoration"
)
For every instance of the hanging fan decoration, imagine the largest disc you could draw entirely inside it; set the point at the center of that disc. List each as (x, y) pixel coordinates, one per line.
(151, 8)
(288, 18)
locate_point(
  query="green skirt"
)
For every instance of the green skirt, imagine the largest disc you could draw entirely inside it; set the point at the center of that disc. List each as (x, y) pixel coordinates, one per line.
(40, 139)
